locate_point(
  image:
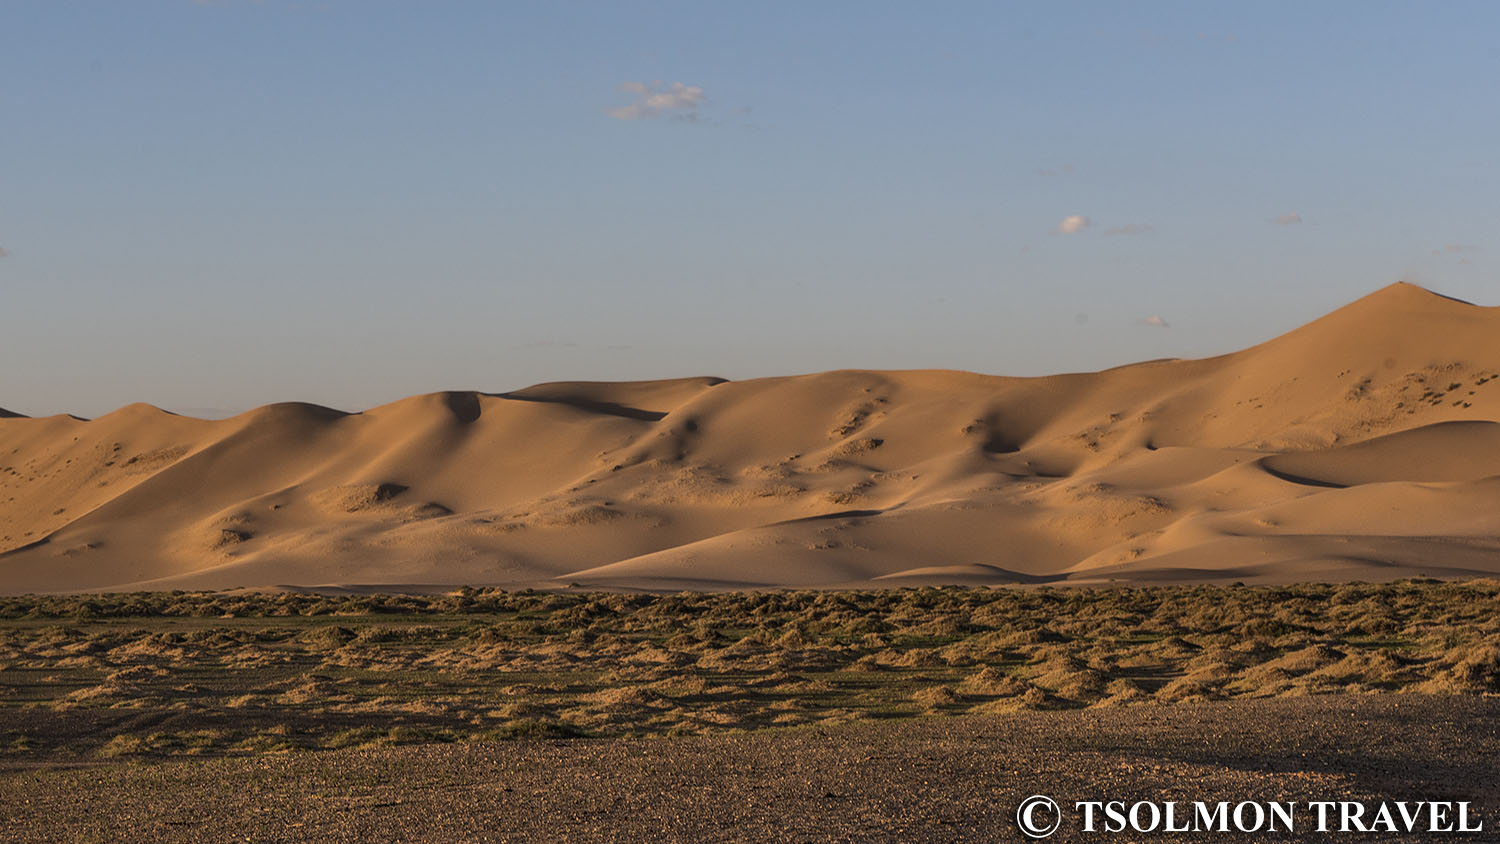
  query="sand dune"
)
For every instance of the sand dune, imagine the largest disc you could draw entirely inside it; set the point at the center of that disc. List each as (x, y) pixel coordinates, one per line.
(1363, 445)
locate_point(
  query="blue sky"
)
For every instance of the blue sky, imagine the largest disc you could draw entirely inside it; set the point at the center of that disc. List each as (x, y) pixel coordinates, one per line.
(210, 206)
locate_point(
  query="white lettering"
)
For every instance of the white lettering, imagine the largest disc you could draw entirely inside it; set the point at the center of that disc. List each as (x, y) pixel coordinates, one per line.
(1322, 807)
(1438, 821)
(1212, 821)
(1463, 820)
(1171, 825)
(1135, 819)
(1410, 819)
(1114, 813)
(1382, 821)
(1351, 813)
(1282, 812)
(1239, 817)
(1088, 807)
(1172, 816)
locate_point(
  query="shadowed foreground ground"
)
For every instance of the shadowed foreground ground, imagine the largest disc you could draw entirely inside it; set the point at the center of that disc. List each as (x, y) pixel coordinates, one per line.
(939, 780)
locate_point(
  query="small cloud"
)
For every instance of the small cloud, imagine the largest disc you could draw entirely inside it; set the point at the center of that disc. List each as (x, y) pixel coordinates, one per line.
(1291, 219)
(1073, 224)
(4, 252)
(1156, 321)
(658, 99)
(1131, 228)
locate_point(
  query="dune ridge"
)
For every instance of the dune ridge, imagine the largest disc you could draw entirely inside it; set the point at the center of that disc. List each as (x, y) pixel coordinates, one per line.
(1363, 445)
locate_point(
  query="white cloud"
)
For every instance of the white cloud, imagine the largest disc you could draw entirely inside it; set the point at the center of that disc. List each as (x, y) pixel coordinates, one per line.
(1073, 224)
(1288, 219)
(1131, 228)
(657, 99)
(1156, 321)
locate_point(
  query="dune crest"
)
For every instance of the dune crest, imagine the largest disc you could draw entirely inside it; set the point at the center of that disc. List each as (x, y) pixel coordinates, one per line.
(1361, 445)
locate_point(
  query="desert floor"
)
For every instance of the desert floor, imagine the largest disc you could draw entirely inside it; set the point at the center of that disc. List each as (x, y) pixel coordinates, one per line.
(937, 780)
(919, 714)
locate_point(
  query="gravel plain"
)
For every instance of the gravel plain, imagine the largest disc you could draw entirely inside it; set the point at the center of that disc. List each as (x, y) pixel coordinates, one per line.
(910, 780)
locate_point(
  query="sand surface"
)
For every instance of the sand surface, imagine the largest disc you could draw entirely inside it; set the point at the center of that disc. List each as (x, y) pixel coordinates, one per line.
(939, 780)
(1364, 445)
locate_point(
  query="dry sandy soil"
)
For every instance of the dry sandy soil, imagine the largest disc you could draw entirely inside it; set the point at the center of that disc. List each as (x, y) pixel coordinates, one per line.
(1364, 445)
(941, 780)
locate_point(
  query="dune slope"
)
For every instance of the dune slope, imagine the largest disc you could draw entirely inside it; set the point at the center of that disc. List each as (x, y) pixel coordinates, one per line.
(1364, 445)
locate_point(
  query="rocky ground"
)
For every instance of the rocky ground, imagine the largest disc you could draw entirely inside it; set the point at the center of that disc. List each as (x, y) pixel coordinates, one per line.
(910, 780)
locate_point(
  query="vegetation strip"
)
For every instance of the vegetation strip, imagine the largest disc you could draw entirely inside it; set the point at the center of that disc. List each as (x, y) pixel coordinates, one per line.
(160, 674)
